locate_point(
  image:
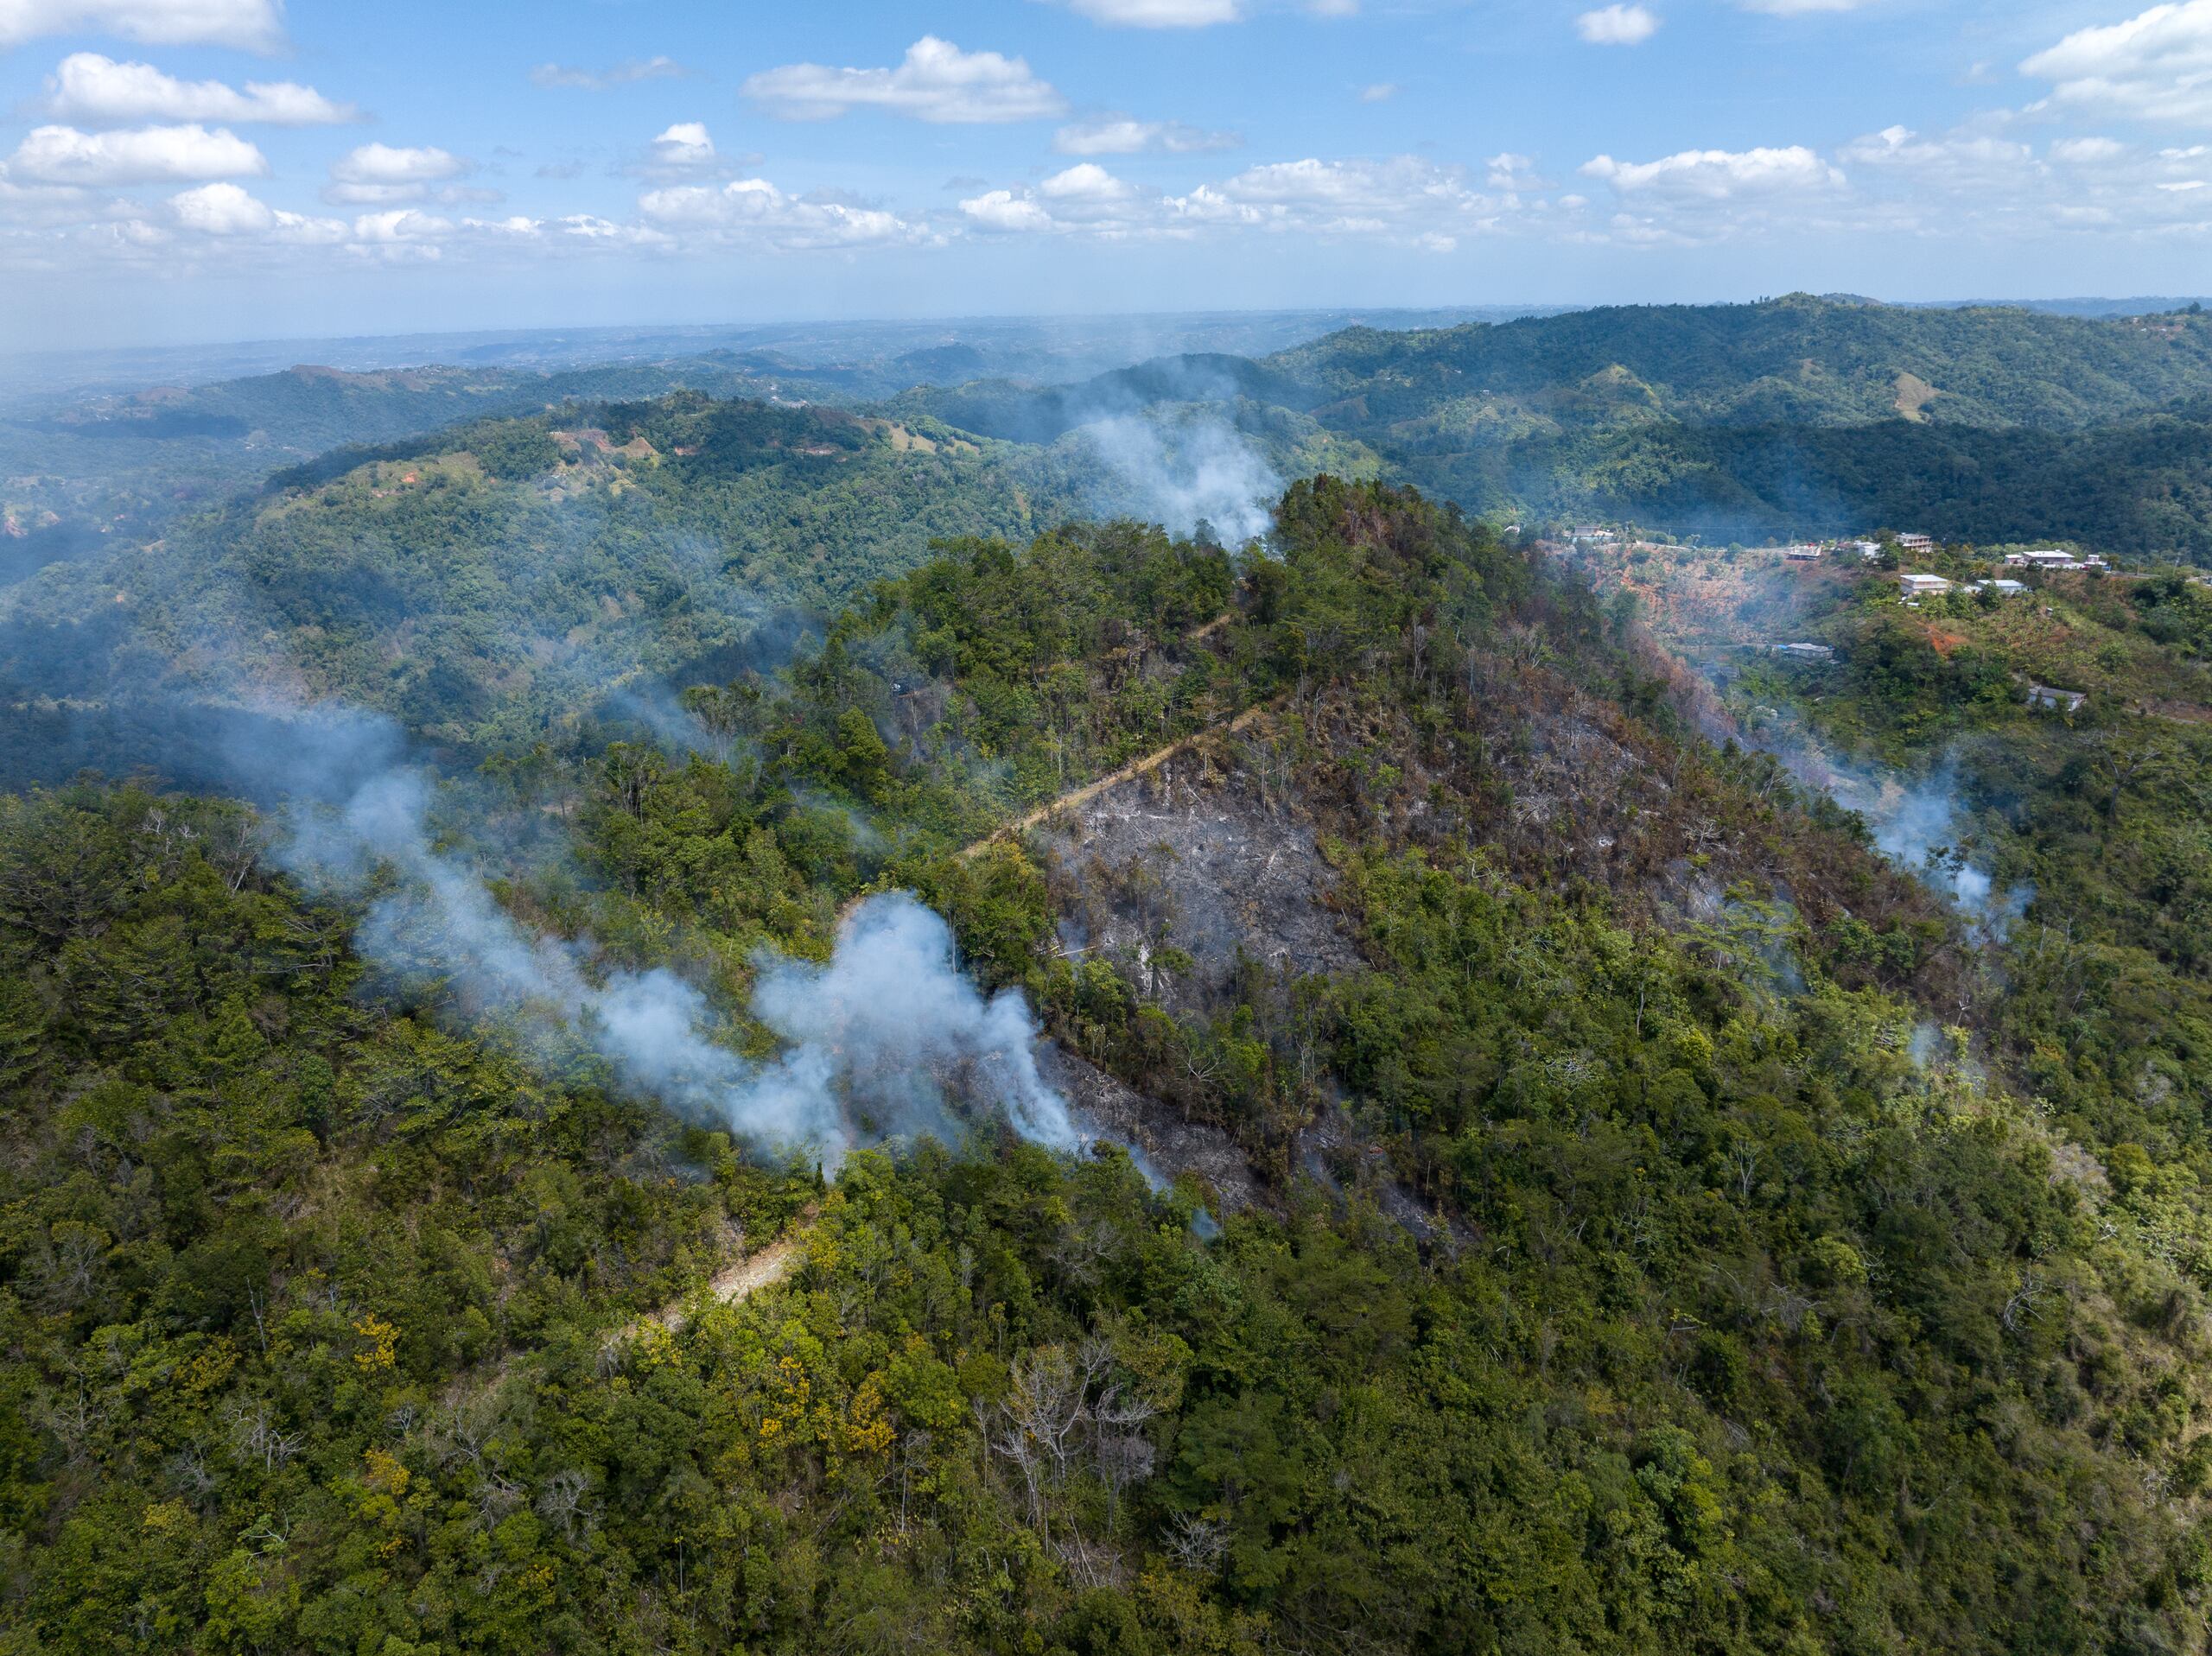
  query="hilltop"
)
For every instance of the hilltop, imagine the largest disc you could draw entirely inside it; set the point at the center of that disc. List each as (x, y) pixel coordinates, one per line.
(1798, 414)
(1580, 1186)
(502, 578)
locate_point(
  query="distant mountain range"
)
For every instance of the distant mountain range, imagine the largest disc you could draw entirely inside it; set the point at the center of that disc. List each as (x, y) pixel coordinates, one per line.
(1795, 414)
(1798, 414)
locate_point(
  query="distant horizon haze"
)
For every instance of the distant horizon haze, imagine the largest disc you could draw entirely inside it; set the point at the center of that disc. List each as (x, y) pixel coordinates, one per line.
(240, 169)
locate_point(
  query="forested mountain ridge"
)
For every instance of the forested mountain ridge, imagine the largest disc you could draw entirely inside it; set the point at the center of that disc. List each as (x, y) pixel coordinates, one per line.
(1798, 360)
(1796, 416)
(497, 579)
(1739, 1318)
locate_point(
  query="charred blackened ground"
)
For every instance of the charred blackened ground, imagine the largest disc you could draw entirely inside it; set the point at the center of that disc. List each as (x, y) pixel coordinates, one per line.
(1195, 872)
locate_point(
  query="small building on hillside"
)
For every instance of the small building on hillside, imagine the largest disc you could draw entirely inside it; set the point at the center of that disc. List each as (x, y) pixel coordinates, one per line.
(2001, 588)
(1915, 543)
(2054, 560)
(1912, 586)
(1801, 553)
(1868, 551)
(2056, 701)
(1806, 651)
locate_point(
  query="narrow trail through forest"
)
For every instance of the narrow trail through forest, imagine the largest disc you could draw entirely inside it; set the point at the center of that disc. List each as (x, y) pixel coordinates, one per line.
(1138, 767)
(736, 1281)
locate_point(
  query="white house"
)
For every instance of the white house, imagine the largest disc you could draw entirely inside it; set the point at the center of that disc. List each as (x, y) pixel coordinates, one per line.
(1922, 586)
(2001, 588)
(2045, 695)
(2051, 559)
(1915, 543)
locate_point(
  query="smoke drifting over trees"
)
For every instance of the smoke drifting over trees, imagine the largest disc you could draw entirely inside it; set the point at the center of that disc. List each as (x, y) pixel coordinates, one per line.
(875, 1037)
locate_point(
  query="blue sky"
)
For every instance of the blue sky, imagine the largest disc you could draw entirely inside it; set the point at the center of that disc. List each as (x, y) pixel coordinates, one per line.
(201, 170)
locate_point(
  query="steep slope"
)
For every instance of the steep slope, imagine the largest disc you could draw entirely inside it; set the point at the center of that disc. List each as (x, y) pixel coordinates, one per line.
(501, 580)
(1798, 361)
(1794, 416)
(1741, 1328)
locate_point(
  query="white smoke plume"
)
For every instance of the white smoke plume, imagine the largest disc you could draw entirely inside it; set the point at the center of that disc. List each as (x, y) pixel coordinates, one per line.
(1917, 824)
(1191, 470)
(874, 1040)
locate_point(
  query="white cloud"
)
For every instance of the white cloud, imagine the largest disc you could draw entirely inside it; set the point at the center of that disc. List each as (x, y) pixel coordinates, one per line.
(1801, 8)
(401, 225)
(2088, 152)
(380, 174)
(1510, 172)
(1363, 184)
(2156, 66)
(1002, 210)
(226, 210)
(55, 205)
(753, 211)
(221, 210)
(1718, 174)
(1121, 135)
(684, 146)
(1086, 181)
(1087, 188)
(381, 163)
(97, 90)
(937, 82)
(1379, 92)
(253, 25)
(1616, 25)
(62, 154)
(1962, 159)
(1403, 199)
(622, 74)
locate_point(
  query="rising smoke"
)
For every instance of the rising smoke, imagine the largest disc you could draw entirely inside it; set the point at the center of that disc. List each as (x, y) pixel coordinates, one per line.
(1193, 470)
(1919, 824)
(876, 1040)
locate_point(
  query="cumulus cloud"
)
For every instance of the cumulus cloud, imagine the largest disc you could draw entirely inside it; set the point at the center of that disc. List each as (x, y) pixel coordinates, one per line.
(1085, 197)
(621, 74)
(1004, 210)
(250, 25)
(1085, 182)
(227, 210)
(2088, 152)
(98, 90)
(753, 212)
(1959, 160)
(2156, 66)
(1379, 91)
(1718, 174)
(685, 145)
(56, 207)
(1403, 199)
(62, 154)
(380, 175)
(1616, 25)
(1398, 187)
(1121, 135)
(937, 82)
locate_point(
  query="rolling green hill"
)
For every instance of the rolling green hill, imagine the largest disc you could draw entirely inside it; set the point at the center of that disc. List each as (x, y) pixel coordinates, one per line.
(497, 579)
(1607, 1253)
(1798, 414)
